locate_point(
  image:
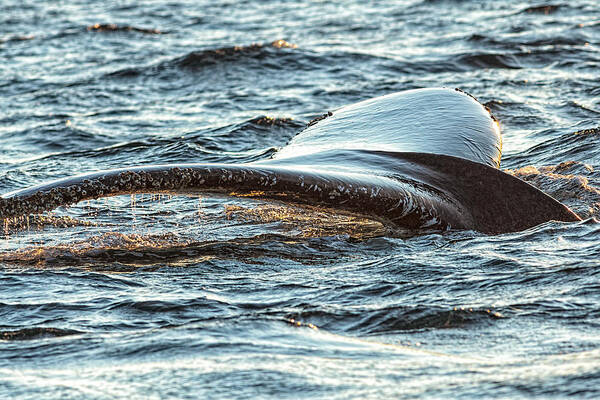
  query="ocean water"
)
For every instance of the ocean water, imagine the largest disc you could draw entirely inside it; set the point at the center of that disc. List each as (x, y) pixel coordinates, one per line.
(160, 296)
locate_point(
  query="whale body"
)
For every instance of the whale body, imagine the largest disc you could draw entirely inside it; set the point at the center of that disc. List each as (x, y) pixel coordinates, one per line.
(418, 159)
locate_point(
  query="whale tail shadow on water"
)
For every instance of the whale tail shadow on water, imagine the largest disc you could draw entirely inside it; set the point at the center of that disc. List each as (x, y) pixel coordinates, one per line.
(418, 159)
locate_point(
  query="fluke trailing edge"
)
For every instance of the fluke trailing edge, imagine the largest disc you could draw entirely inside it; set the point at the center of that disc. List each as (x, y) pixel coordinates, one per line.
(424, 158)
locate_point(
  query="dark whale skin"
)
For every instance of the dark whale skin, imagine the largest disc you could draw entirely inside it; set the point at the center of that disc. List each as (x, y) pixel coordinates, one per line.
(420, 159)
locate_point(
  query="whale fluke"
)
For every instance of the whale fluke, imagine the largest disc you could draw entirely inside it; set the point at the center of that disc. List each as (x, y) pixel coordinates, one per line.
(418, 159)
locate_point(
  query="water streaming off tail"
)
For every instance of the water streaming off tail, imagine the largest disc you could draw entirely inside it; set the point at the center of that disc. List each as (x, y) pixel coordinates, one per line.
(154, 228)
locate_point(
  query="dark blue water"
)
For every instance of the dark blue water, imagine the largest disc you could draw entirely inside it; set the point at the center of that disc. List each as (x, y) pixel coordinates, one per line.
(192, 297)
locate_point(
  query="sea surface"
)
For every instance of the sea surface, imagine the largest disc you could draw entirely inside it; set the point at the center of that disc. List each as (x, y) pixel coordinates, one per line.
(155, 297)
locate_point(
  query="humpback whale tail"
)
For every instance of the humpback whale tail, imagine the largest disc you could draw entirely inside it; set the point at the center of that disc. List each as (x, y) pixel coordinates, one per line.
(417, 159)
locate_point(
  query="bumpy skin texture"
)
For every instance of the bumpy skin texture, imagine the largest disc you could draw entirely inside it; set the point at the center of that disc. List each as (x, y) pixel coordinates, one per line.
(377, 197)
(389, 158)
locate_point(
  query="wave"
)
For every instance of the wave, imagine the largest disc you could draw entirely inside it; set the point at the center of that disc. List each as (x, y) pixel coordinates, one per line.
(123, 28)
(254, 126)
(396, 319)
(579, 146)
(74, 31)
(16, 38)
(490, 60)
(272, 55)
(564, 308)
(36, 333)
(566, 182)
(519, 58)
(531, 41)
(230, 54)
(542, 9)
(258, 136)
